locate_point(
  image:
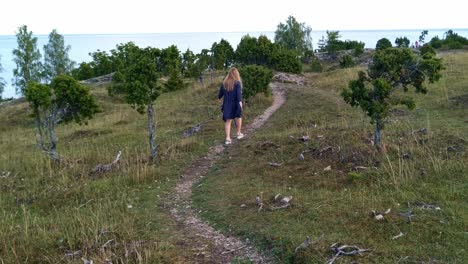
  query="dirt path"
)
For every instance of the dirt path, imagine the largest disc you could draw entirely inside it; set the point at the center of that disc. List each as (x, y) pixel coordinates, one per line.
(205, 243)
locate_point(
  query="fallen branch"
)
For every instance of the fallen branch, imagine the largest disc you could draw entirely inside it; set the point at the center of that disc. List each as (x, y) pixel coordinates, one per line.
(83, 204)
(398, 236)
(274, 164)
(232, 250)
(103, 168)
(345, 250)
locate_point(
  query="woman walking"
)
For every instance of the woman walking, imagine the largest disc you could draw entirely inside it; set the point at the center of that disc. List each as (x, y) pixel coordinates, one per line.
(231, 92)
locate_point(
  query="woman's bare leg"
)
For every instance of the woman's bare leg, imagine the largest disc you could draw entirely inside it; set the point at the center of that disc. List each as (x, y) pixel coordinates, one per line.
(239, 125)
(227, 128)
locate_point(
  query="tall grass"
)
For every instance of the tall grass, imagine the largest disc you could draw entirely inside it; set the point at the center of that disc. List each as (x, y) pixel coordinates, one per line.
(417, 167)
(60, 213)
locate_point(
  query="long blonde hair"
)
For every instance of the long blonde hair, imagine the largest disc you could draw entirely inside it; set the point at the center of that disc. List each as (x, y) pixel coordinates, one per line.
(231, 79)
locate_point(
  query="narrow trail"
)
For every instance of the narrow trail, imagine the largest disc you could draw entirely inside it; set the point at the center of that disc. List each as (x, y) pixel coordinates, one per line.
(207, 244)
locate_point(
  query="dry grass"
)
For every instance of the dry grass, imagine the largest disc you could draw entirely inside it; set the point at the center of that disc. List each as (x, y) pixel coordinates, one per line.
(57, 214)
(416, 167)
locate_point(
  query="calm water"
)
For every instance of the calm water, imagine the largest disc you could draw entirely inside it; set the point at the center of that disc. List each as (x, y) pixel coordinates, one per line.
(83, 44)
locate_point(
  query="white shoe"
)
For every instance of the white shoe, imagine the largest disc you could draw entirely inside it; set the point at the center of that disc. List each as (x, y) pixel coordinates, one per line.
(240, 136)
(227, 142)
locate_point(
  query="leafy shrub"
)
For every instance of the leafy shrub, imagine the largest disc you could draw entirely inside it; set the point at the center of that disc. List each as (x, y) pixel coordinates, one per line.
(255, 80)
(347, 61)
(451, 41)
(427, 49)
(358, 50)
(174, 82)
(436, 42)
(383, 43)
(286, 61)
(402, 42)
(316, 66)
(83, 72)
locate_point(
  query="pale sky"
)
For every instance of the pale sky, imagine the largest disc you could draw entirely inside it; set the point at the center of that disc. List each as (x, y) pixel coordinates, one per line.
(171, 16)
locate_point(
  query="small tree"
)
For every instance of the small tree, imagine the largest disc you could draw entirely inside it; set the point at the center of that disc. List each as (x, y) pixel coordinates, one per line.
(27, 59)
(294, 36)
(170, 60)
(247, 50)
(102, 63)
(138, 80)
(402, 42)
(223, 54)
(56, 60)
(64, 100)
(255, 79)
(422, 37)
(285, 60)
(392, 68)
(189, 68)
(83, 72)
(383, 43)
(332, 42)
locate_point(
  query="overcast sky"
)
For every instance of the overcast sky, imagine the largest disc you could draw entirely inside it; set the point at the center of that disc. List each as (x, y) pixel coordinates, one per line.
(156, 16)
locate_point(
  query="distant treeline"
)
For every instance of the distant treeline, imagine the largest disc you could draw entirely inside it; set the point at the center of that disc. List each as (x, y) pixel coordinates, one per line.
(251, 50)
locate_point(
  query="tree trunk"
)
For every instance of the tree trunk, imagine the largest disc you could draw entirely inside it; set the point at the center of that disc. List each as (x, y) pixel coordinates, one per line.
(53, 141)
(152, 132)
(40, 140)
(377, 137)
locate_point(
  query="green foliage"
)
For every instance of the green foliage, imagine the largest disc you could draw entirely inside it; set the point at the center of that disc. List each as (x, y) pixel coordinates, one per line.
(402, 42)
(332, 44)
(254, 51)
(223, 54)
(174, 82)
(102, 63)
(382, 44)
(436, 42)
(39, 97)
(359, 49)
(27, 59)
(56, 60)
(255, 79)
(138, 77)
(189, 67)
(427, 49)
(347, 61)
(391, 68)
(83, 72)
(355, 177)
(422, 37)
(451, 41)
(64, 100)
(263, 52)
(170, 60)
(74, 99)
(286, 61)
(294, 36)
(204, 60)
(316, 66)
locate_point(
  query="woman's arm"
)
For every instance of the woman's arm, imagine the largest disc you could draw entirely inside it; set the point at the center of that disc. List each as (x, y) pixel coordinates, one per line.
(239, 93)
(221, 92)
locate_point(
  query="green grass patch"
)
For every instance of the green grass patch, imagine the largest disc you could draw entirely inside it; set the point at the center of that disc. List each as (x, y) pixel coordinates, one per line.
(424, 162)
(57, 214)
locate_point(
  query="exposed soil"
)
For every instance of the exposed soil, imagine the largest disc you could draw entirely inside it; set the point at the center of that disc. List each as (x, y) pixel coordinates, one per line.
(201, 241)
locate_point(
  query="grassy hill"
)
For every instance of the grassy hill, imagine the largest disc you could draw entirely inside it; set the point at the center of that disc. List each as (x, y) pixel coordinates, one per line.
(57, 214)
(425, 165)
